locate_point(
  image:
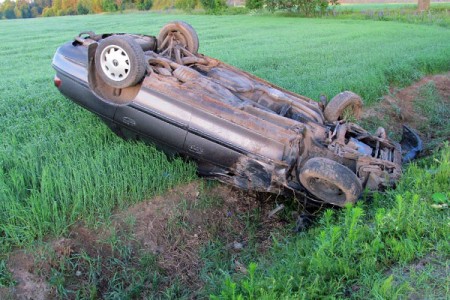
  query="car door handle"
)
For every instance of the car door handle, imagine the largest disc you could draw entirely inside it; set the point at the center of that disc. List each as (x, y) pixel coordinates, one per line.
(129, 121)
(195, 149)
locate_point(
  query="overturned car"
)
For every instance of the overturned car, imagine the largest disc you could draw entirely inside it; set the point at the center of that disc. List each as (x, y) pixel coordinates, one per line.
(239, 129)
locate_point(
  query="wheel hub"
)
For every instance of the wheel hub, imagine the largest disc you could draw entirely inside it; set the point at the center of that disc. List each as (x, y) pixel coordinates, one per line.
(115, 63)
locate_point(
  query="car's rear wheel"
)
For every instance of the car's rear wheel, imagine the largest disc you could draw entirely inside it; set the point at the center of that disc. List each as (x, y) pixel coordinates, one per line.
(345, 105)
(120, 61)
(175, 34)
(330, 181)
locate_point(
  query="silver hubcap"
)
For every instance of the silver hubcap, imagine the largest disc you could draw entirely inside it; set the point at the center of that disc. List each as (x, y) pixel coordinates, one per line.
(115, 63)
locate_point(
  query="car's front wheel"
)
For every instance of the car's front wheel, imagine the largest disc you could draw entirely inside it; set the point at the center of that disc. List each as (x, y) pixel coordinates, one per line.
(120, 61)
(330, 181)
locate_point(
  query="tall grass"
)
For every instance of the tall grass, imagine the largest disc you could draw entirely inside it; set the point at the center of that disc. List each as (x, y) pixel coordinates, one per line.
(60, 164)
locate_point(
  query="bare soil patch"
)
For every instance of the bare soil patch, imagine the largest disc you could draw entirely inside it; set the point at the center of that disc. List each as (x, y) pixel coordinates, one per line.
(406, 105)
(29, 285)
(176, 225)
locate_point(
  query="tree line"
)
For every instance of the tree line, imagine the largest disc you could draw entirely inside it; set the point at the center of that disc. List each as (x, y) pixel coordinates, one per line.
(30, 9)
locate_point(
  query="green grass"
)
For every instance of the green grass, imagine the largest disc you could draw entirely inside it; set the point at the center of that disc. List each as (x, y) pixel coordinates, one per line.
(362, 251)
(61, 165)
(426, 279)
(6, 279)
(119, 269)
(431, 105)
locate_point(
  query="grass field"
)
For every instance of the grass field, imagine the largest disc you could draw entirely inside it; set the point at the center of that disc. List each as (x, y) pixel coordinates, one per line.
(61, 165)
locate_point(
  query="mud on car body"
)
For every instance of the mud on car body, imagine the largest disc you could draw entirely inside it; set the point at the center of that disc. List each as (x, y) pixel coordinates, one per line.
(239, 129)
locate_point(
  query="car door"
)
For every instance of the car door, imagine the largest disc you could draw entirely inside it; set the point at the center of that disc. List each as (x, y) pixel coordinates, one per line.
(155, 118)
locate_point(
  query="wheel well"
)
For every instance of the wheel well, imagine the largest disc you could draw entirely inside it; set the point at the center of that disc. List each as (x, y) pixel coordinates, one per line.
(102, 89)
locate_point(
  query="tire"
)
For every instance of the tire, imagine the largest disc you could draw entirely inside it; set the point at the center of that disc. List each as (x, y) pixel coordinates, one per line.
(120, 61)
(180, 32)
(334, 111)
(330, 181)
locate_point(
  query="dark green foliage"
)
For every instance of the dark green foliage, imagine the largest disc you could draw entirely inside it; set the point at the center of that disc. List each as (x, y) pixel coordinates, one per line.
(10, 14)
(35, 12)
(144, 4)
(186, 5)
(22, 9)
(19, 9)
(41, 4)
(271, 5)
(254, 4)
(109, 5)
(7, 7)
(81, 9)
(306, 8)
(213, 6)
(29, 9)
(69, 12)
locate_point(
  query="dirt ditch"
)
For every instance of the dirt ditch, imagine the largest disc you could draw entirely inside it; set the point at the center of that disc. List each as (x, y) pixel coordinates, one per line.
(176, 225)
(424, 106)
